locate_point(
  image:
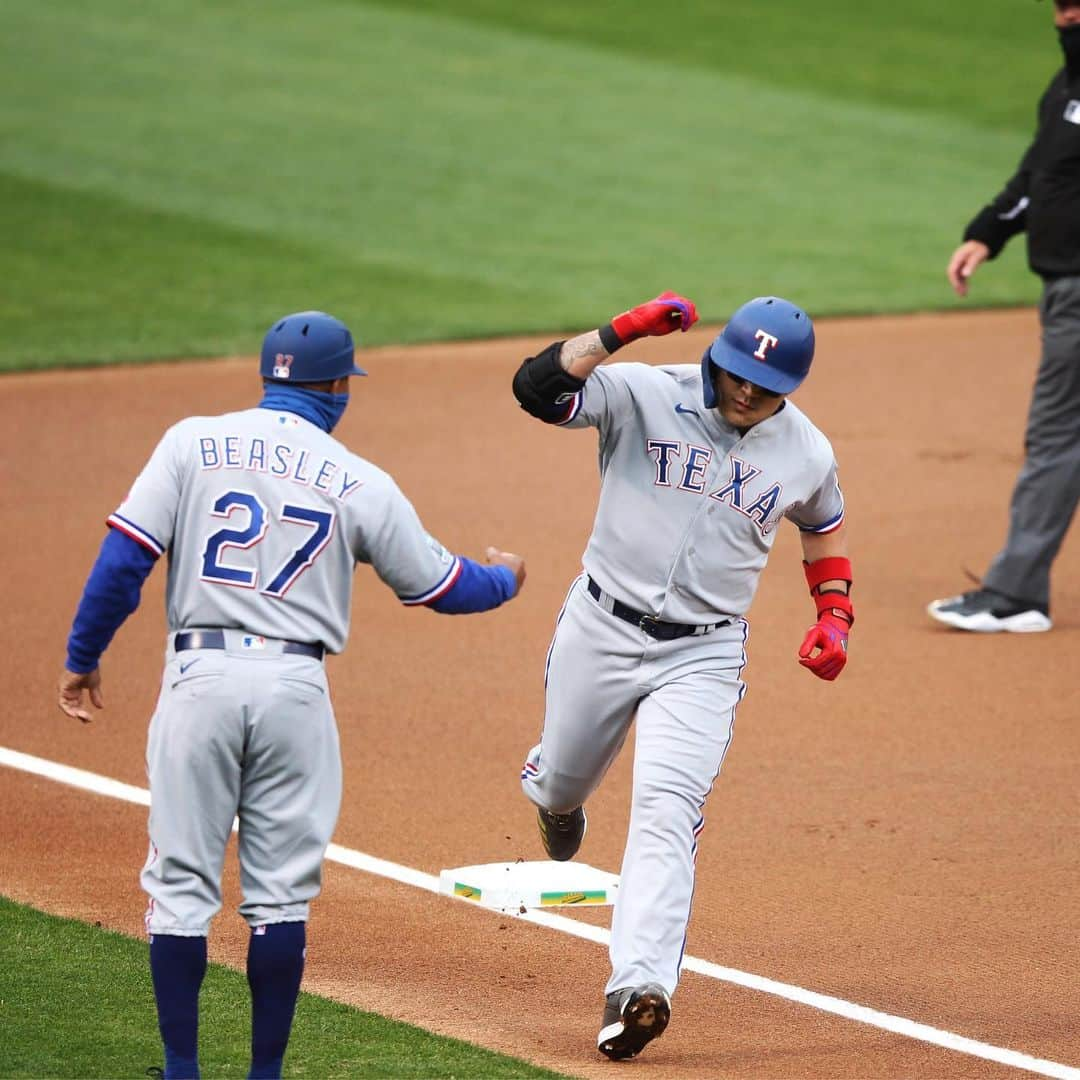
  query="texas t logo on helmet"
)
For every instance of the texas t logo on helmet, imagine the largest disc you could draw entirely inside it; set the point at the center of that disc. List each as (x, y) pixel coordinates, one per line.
(767, 342)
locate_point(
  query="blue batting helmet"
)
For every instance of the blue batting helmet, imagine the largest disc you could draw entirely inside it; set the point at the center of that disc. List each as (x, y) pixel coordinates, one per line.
(768, 341)
(309, 346)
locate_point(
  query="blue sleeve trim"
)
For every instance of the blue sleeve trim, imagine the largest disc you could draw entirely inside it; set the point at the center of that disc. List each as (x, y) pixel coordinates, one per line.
(443, 586)
(129, 528)
(825, 527)
(111, 594)
(478, 588)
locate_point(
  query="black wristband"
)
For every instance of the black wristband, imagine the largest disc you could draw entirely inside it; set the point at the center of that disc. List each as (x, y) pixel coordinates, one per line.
(609, 339)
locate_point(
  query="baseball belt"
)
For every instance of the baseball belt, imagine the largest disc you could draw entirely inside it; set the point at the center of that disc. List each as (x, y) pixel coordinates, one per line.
(215, 639)
(655, 628)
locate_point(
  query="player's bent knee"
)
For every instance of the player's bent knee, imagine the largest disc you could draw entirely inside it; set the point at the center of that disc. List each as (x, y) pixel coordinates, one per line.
(557, 792)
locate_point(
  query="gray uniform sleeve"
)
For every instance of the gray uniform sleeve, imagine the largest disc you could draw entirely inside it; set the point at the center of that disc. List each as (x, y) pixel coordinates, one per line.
(823, 511)
(604, 399)
(405, 556)
(148, 514)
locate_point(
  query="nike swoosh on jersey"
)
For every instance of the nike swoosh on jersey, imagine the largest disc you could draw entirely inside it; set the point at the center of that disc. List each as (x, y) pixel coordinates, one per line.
(681, 408)
(184, 667)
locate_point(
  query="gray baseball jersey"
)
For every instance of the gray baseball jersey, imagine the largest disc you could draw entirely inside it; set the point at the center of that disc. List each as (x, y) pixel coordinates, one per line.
(263, 516)
(688, 507)
(687, 515)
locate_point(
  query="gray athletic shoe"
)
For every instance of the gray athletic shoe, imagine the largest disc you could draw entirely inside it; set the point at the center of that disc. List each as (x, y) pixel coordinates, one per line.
(987, 612)
(561, 833)
(633, 1017)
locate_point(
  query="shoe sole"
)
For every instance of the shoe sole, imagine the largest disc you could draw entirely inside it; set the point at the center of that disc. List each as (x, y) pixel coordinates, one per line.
(1026, 622)
(643, 1019)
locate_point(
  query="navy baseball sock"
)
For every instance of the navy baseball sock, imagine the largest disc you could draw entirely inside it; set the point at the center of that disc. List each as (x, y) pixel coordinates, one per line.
(177, 967)
(275, 966)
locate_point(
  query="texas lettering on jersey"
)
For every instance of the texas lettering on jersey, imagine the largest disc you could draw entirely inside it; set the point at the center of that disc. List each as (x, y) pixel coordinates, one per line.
(276, 458)
(684, 467)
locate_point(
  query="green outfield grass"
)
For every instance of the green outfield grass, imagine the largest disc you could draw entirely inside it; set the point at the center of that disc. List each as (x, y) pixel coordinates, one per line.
(76, 1001)
(173, 176)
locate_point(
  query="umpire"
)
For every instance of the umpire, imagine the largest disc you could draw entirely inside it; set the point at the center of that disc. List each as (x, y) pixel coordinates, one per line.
(1043, 199)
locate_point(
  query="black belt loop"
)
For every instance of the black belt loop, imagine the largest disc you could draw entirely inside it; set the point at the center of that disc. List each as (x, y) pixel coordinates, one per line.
(649, 624)
(215, 639)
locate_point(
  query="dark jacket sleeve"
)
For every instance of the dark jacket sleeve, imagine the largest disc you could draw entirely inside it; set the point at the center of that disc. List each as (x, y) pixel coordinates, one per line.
(1006, 216)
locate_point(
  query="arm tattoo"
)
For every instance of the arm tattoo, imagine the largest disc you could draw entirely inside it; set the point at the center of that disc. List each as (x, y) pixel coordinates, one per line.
(580, 355)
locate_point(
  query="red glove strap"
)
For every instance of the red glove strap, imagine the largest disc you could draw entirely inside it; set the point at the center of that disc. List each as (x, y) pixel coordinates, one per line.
(834, 568)
(625, 327)
(835, 607)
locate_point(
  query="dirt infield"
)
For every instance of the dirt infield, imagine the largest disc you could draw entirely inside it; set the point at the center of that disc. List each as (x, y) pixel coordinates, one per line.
(905, 838)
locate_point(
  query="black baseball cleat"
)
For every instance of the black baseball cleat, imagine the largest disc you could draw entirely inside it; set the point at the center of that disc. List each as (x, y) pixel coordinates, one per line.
(632, 1018)
(987, 612)
(561, 833)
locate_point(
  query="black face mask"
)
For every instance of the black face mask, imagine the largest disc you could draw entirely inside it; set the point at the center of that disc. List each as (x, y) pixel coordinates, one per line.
(1070, 44)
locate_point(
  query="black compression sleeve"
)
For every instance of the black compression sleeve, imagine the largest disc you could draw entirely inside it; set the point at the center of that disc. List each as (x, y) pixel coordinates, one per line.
(543, 388)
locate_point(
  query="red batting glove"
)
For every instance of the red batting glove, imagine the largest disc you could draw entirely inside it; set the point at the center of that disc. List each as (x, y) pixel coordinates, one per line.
(666, 313)
(829, 634)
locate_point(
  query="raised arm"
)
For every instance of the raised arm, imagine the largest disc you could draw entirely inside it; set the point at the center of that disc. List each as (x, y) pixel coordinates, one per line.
(545, 384)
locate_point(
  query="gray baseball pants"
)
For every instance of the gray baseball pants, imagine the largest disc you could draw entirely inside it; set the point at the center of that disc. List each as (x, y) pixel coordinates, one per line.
(245, 733)
(1048, 488)
(604, 676)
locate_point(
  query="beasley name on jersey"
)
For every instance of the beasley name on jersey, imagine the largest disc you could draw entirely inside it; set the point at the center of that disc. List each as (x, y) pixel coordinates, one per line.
(255, 453)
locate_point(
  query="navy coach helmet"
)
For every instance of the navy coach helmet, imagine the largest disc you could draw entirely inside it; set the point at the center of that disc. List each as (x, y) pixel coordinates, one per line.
(768, 341)
(309, 346)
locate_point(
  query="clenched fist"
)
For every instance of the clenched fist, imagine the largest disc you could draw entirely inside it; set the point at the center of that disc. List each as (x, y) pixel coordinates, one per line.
(829, 635)
(508, 559)
(668, 312)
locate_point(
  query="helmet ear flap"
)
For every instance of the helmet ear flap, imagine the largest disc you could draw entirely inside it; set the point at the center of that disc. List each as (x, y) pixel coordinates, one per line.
(708, 386)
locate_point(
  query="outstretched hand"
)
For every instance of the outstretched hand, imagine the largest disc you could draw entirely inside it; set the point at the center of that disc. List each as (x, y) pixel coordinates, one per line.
(507, 558)
(663, 315)
(824, 648)
(71, 688)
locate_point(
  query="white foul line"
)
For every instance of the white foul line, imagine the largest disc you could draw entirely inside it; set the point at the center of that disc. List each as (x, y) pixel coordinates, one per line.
(102, 785)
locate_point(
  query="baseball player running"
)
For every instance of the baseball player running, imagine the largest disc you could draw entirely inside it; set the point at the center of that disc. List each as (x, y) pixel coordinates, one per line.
(264, 516)
(699, 463)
